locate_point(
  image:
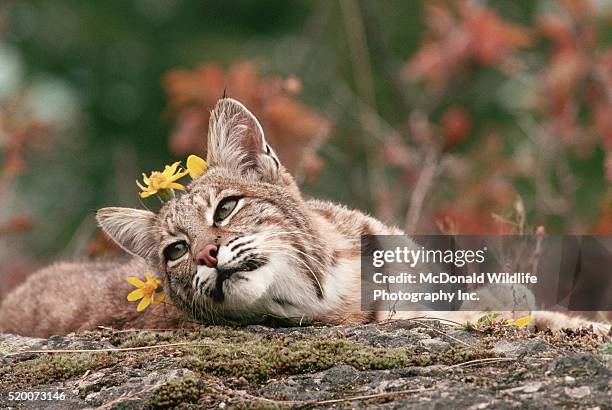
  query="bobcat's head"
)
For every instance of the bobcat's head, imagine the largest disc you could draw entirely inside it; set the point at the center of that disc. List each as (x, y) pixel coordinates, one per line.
(238, 244)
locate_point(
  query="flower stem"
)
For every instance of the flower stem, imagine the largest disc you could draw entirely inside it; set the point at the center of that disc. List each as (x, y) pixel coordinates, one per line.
(165, 195)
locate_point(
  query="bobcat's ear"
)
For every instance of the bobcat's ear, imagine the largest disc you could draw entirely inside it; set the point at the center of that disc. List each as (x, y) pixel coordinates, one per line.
(132, 229)
(236, 141)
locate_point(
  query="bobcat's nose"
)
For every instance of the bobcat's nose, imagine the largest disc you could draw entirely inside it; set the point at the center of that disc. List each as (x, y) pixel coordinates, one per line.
(208, 256)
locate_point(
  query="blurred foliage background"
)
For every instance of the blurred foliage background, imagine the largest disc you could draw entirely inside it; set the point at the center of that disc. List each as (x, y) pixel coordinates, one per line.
(437, 116)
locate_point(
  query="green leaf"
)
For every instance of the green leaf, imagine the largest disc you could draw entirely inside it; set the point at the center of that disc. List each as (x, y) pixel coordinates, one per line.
(488, 317)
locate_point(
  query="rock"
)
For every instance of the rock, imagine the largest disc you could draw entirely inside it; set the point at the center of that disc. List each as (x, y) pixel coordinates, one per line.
(579, 364)
(526, 388)
(398, 364)
(532, 387)
(343, 374)
(505, 348)
(520, 347)
(280, 390)
(462, 335)
(387, 337)
(10, 343)
(435, 345)
(578, 392)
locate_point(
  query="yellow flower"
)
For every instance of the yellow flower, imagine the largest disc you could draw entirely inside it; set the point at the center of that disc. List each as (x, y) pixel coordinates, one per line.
(520, 322)
(160, 182)
(196, 166)
(146, 292)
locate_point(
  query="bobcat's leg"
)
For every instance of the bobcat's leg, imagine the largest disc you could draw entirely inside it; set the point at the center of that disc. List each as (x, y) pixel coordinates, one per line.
(493, 297)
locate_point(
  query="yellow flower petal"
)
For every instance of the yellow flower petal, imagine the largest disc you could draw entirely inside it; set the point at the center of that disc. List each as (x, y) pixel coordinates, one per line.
(196, 166)
(144, 303)
(151, 281)
(157, 182)
(524, 321)
(147, 194)
(175, 177)
(158, 298)
(169, 170)
(174, 185)
(135, 281)
(135, 295)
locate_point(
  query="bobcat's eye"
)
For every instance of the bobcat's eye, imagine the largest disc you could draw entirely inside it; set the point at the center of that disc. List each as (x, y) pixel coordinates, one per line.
(225, 208)
(175, 250)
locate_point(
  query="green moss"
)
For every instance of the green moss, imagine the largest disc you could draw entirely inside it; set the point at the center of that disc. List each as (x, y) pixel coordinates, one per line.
(96, 387)
(150, 338)
(140, 339)
(259, 359)
(204, 393)
(48, 369)
(174, 393)
(228, 352)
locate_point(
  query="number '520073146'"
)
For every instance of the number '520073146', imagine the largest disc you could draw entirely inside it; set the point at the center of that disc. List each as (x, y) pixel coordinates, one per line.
(36, 395)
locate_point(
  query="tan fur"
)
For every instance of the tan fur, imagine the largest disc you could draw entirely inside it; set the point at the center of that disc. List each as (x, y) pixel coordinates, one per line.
(67, 297)
(282, 259)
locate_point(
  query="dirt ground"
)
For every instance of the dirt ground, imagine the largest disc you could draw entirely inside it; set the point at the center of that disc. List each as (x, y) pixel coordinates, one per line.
(398, 364)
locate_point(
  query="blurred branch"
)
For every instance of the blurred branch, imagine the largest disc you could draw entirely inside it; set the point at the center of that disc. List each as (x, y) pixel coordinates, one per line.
(343, 93)
(358, 47)
(431, 151)
(423, 185)
(382, 54)
(5, 182)
(5, 7)
(548, 153)
(357, 42)
(19, 133)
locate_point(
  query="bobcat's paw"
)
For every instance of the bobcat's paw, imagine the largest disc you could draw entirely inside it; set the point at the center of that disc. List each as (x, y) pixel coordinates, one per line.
(560, 321)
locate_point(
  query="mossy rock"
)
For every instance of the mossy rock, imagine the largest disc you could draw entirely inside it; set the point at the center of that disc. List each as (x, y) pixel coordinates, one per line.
(53, 368)
(177, 392)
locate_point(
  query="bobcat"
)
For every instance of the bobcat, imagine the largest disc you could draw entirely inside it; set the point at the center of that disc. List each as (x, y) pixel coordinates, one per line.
(240, 246)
